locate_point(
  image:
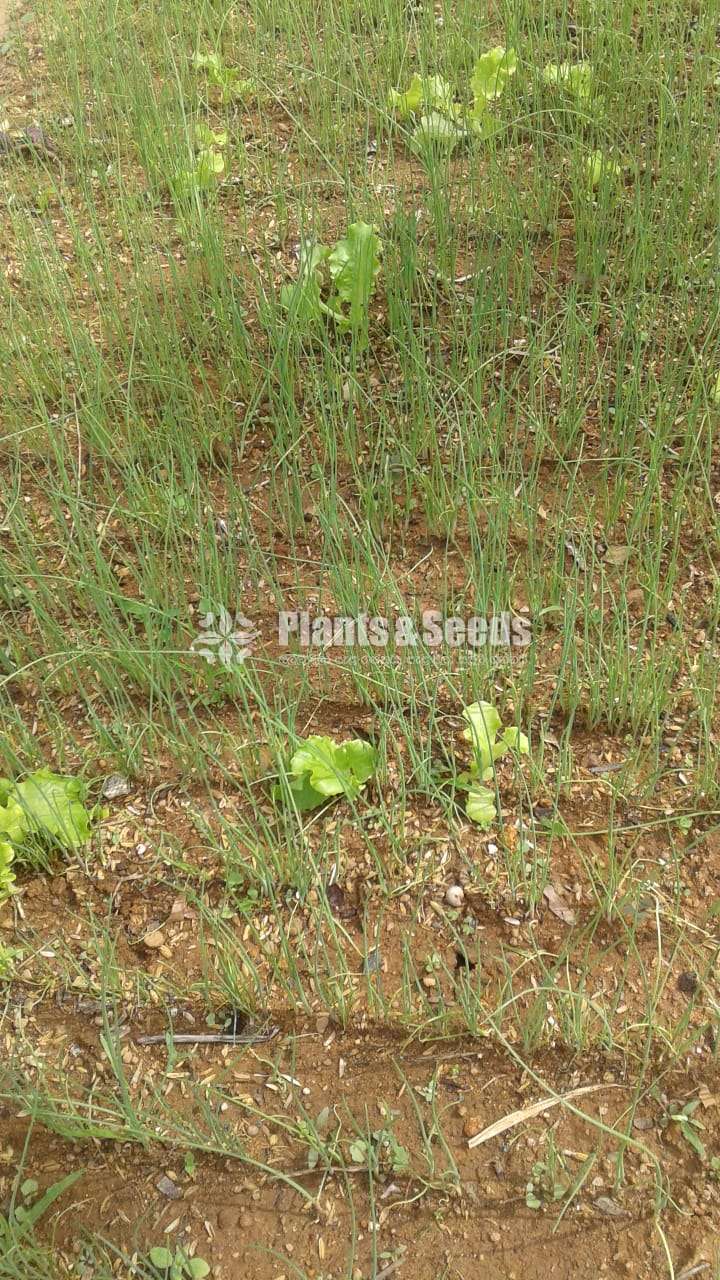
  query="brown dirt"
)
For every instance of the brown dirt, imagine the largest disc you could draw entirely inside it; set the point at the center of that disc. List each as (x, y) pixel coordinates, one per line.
(232, 1212)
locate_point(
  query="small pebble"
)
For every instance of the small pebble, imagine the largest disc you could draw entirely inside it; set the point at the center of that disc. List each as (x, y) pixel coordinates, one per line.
(115, 787)
(455, 895)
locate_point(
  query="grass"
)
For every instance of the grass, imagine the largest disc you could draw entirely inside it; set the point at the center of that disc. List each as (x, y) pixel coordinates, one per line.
(531, 427)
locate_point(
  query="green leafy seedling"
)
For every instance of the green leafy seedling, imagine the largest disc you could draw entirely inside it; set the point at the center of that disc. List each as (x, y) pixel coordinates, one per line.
(576, 78)
(491, 74)
(208, 164)
(178, 1265)
(598, 166)
(42, 807)
(484, 725)
(354, 264)
(422, 94)
(688, 1126)
(227, 80)
(444, 123)
(303, 298)
(321, 770)
(351, 268)
(7, 876)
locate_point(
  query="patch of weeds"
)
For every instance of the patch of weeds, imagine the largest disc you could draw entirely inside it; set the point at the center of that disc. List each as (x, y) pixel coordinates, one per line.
(381, 1151)
(549, 1182)
(25, 1211)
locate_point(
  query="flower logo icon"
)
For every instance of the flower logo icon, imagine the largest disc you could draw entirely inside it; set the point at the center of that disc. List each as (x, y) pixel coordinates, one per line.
(227, 641)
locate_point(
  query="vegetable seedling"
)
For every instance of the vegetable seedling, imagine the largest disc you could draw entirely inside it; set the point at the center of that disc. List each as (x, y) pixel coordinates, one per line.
(178, 1265)
(208, 166)
(576, 78)
(229, 82)
(443, 123)
(347, 273)
(598, 166)
(45, 806)
(484, 725)
(321, 770)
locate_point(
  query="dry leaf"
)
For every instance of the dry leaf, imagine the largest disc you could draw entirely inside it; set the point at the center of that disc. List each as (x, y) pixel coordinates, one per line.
(707, 1098)
(617, 554)
(577, 555)
(528, 1113)
(558, 907)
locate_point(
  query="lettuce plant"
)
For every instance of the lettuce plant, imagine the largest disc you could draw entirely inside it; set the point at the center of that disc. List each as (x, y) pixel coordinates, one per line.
(48, 805)
(227, 80)
(43, 806)
(484, 725)
(322, 769)
(576, 78)
(208, 164)
(7, 878)
(442, 122)
(346, 274)
(597, 165)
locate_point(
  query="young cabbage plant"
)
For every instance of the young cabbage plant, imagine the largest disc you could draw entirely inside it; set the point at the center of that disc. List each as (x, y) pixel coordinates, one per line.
(484, 725)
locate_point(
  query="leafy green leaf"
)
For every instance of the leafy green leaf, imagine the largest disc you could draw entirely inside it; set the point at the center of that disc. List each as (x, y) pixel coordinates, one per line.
(160, 1257)
(13, 821)
(407, 103)
(198, 1268)
(423, 91)
(436, 134)
(576, 78)
(491, 74)
(480, 806)
(598, 165)
(303, 298)
(209, 62)
(484, 723)
(208, 166)
(483, 124)
(227, 79)
(53, 806)
(437, 93)
(207, 137)
(514, 740)
(304, 795)
(333, 770)
(354, 264)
